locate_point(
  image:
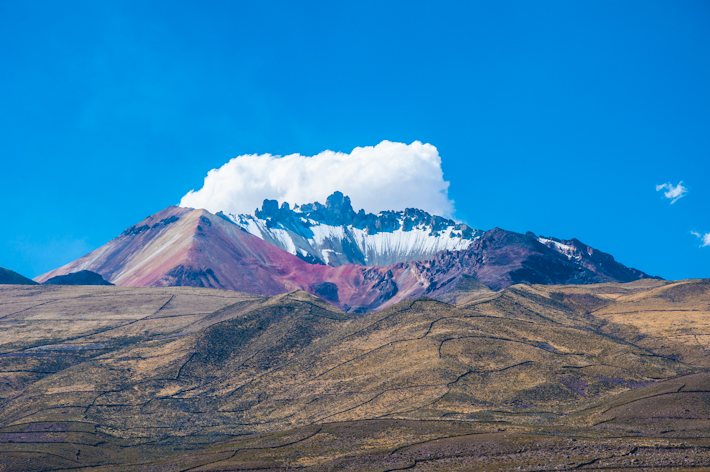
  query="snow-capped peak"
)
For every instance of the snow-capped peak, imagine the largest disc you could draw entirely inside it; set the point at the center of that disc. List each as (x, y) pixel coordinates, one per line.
(335, 234)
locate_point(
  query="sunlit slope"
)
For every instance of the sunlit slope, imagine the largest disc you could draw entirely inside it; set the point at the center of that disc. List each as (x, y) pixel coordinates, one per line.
(467, 289)
(184, 361)
(678, 311)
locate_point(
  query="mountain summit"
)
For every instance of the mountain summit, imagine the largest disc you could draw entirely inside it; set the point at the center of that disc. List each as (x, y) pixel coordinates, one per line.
(334, 234)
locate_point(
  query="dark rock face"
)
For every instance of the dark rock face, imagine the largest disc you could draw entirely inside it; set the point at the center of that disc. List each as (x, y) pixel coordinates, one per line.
(165, 221)
(326, 290)
(83, 277)
(269, 209)
(135, 230)
(10, 277)
(338, 211)
(502, 258)
(310, 258)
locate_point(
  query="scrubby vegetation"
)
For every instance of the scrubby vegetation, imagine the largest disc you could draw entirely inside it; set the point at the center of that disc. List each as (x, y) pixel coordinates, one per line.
(534, 377)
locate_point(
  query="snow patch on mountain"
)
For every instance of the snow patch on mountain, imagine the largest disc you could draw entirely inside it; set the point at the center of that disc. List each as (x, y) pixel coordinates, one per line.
(334, 234)
(565, 249)
(401, 243)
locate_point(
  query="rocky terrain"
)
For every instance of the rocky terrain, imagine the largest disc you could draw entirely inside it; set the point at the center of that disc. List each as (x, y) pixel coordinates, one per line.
(534, 377)
(186, 247)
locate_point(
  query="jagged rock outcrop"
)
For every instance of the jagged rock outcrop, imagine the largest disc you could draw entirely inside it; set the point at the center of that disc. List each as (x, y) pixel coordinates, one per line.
(334, 234)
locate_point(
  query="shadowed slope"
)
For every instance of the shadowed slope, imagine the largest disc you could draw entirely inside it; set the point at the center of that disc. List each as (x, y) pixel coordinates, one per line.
(83, 277)
(10, 277)
(501, 258)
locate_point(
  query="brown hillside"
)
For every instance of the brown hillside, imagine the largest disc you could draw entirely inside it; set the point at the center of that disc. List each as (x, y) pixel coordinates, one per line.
(172, 378)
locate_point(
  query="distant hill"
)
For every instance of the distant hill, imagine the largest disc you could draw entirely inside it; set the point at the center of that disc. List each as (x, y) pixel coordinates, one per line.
(83, 277)
(533, 377)
(10, 277)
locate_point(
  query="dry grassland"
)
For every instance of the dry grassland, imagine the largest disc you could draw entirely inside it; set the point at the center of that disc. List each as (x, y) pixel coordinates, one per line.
(607, 376)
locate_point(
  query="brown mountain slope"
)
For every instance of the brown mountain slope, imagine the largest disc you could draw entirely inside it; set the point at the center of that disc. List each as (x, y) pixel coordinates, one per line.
(138, 375)
(467, 289)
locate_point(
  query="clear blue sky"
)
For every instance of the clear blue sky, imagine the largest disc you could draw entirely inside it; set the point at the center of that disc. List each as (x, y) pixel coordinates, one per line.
(554, 117)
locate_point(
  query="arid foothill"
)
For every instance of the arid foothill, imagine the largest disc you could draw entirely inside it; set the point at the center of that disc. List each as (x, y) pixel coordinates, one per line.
(608, 376)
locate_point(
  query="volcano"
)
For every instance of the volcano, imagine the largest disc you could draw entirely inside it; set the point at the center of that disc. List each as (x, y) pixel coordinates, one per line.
(193, 247)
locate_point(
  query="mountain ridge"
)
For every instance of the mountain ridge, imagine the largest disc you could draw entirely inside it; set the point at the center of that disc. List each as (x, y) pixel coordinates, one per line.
(334, 234)
(188, 247)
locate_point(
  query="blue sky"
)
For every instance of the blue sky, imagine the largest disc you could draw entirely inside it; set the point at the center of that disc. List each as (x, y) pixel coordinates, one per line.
(553, 117)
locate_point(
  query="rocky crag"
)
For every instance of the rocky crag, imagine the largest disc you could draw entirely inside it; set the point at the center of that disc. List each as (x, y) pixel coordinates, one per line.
(334, 234)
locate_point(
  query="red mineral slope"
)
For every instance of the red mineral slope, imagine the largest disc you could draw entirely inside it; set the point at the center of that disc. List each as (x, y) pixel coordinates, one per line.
(186, 247)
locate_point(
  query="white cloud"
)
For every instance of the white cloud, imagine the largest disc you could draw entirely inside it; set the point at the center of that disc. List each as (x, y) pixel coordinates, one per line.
(389, 176)
(704, 238)
(671, 192)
